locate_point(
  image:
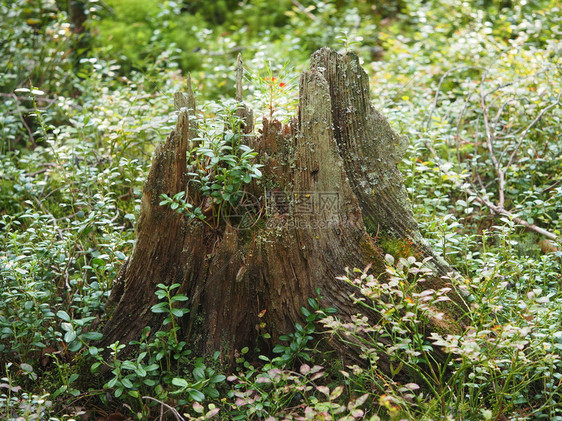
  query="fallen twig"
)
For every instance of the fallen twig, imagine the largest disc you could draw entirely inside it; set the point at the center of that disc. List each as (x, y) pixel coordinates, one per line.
(303, 9)
(494, 208)
(173, 410)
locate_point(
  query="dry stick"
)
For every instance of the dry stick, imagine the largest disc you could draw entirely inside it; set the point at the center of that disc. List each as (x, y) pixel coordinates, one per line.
(476, 146)
(24, 122)
(173, 410)
(223, 53)
(438, 90)
(500, 172)
(239, 75)
(490, 137)
(61, 236)
(46, 166)
(496, 209)
(530, 126)
(458, 129)
(303, 9)
(499, 114)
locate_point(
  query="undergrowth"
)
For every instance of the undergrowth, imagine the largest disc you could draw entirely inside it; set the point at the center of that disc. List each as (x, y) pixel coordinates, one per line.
(475, 87)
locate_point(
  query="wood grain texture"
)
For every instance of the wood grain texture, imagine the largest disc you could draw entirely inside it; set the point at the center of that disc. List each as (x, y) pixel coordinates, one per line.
(338, 148)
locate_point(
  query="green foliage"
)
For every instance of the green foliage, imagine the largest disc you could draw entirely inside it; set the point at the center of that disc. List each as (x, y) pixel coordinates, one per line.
(221, 165)
(77, 128)
(164, 366)
(296, 349)
(502, 362)
(35, 41)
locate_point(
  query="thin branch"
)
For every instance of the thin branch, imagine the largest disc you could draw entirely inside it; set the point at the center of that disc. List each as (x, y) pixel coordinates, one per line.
(61, 236)
(500, 112)
(500, 174)
(239, 76)
(303, 9)
(29, 132)
(438, 90)
(191, 103)
(222, 53)
(458, 128)
(46, 166)
(530, 126)
(173, 410)
(494, 208)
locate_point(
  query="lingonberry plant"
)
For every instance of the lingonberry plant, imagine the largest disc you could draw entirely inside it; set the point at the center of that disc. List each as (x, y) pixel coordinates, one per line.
(474, 86)
(221, 164)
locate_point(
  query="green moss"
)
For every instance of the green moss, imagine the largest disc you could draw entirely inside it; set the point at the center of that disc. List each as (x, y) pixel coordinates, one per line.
(398, 247)
(370, 251)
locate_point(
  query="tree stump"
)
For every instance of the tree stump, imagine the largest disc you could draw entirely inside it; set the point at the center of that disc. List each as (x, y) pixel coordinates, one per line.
(331, 191)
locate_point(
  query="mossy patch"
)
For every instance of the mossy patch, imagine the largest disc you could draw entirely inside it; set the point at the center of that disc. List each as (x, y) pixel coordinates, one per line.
(399, 247)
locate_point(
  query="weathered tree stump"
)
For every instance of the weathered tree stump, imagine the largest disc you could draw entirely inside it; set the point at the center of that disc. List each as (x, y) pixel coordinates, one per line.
(331, 190)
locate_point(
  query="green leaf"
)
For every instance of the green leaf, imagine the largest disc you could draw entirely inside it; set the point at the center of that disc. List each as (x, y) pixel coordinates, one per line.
(178, 312)
(313, 304)
(196, 395)
(218, 378)
(75, 346)
(212, 392)
(120, 255)
(63, 315)
(69, 336)
(160, 308)
(128, 365)
(278, 349)
(127, 383)
(177, 381)
(160, 293)
(92, 336)
(97, 262)
(26, 367)
(312, 317)
(60, 390)
(199, 373)
(336, 392)
(152, 367)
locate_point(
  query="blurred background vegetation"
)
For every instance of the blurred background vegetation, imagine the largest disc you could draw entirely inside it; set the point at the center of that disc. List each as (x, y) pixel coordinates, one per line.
(86, 88)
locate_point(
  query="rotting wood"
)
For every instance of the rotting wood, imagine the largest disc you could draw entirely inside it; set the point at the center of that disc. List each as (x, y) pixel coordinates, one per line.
(340, 152)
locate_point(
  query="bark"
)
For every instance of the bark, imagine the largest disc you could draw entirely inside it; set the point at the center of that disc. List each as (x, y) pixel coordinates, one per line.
(331, 194)
(78, 17)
